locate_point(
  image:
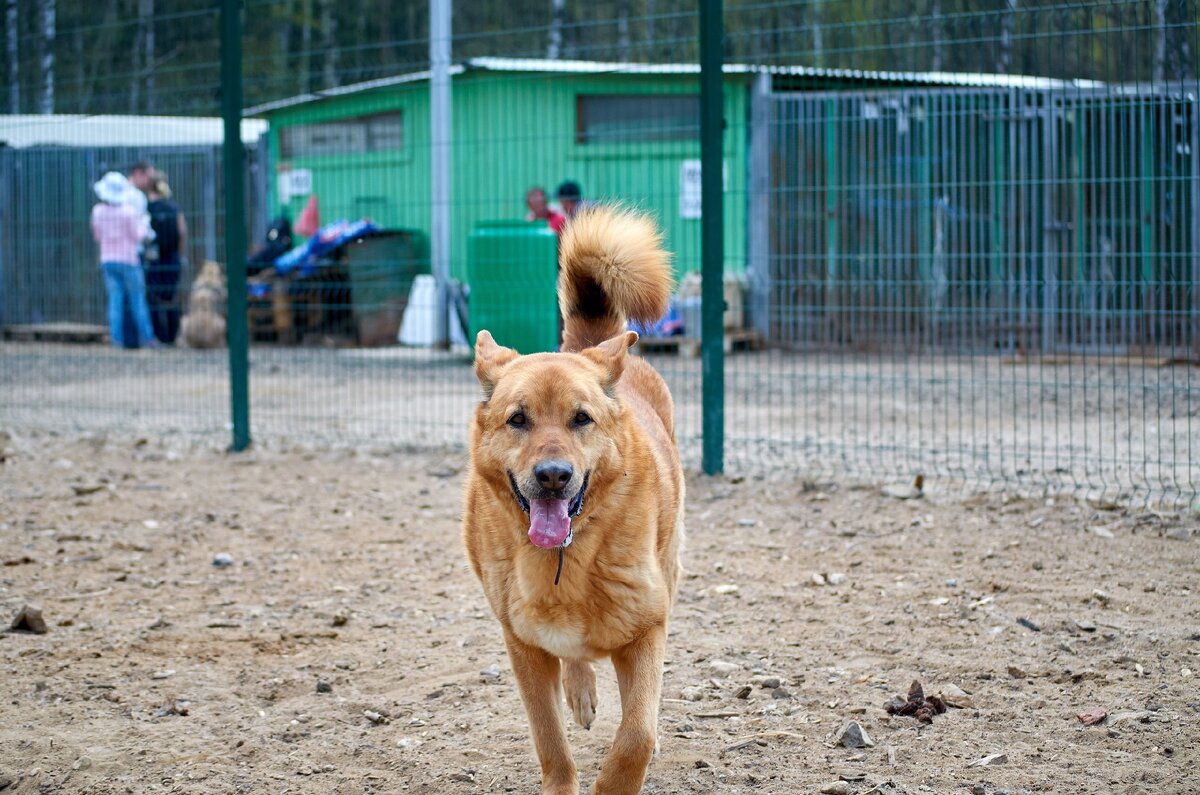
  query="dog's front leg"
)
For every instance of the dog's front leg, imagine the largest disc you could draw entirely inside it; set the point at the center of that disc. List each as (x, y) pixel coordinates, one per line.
(537, 674)
(639, 669)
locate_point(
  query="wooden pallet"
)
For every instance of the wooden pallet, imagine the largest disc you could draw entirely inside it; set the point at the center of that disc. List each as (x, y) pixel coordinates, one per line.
(735, 340)
(56, 332)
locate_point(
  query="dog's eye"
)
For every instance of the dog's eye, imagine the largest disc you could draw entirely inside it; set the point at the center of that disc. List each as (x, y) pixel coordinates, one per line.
(517, 420)
(581, 419)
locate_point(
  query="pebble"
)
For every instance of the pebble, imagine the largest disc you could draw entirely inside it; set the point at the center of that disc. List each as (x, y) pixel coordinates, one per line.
(465, 776)
(780, 692)
(6, 780)
(725, 589)
(836, 788)
(835, 578)
(955, 696)
(29, 619)
(490, 674)
(979, 789)
(771, 682)
(692, 693)
(990, 760)
(339, 619)
(167, 674)
(902, 491)
(1138, 716)
(951, 583)
(1085, 625)
(375, 717)
(747, 522)
(818, 579)
(82, 763)
(324, 687)
(1025, 622)
(222, 560)
(852, 735)
(722, 668)
(1016, 672)
(1102, 532)
(702, 763)
(744, 692)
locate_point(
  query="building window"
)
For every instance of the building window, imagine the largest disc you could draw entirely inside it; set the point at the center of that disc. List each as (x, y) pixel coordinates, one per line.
(380, 132)
(624, 118)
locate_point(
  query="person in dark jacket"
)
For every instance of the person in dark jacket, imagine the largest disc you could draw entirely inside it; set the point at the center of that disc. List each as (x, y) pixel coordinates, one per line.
(164, 259)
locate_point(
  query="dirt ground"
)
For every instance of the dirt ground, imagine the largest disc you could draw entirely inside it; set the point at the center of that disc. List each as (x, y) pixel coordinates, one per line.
(162, 672)
(1109, 427)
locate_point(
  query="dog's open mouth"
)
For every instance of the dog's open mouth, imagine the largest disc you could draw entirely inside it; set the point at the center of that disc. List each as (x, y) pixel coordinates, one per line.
(550, 519)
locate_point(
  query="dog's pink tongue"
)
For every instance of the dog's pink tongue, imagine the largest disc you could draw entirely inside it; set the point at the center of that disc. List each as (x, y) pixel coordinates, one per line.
(548, 522)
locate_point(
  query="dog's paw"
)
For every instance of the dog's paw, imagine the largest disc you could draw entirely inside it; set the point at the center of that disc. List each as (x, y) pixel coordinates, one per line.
(579, 683)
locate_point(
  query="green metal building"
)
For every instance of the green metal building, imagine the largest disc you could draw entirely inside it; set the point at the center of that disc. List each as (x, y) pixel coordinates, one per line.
(624, 132)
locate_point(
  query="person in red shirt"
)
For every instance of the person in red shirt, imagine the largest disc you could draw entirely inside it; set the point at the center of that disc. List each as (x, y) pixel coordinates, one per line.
(540, 209)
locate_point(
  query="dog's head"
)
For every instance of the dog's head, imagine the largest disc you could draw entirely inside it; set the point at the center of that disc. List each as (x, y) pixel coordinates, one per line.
(548, 426)
(211, 275)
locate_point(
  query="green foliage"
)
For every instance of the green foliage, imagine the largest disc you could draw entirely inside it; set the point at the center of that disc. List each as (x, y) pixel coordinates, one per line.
(161, 56)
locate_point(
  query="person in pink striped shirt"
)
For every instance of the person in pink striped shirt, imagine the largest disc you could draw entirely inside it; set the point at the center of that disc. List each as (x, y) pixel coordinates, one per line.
(119, 230)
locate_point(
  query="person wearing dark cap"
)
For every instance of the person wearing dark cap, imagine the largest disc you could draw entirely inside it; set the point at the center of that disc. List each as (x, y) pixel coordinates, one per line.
(570, 198)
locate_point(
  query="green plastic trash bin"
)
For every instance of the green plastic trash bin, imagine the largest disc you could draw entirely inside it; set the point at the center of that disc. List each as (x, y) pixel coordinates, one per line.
(512, 268)
(381, 269)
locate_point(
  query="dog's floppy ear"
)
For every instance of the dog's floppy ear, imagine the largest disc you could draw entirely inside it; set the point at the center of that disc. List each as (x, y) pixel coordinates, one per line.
(490, 359)
(610, 355)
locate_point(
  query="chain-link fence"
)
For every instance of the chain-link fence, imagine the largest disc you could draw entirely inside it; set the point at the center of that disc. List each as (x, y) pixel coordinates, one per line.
(959, 238)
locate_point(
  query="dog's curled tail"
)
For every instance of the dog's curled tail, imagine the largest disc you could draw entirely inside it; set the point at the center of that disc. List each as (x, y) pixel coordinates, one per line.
(613, 269)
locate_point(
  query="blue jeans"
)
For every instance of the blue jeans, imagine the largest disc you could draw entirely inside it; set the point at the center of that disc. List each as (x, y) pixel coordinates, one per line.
(126, 282)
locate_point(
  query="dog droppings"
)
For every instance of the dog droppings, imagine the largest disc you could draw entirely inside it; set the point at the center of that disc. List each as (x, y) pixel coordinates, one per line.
(917, 705)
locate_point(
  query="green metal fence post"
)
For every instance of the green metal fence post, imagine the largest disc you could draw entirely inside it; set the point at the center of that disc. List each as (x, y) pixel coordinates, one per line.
(712, 242)
(831, 211)
(235, 213)
(926, 318)
(1146, 206)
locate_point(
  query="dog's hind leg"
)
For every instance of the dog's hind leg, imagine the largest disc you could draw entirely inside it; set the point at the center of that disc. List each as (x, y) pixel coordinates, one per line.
(537, 674)
(579, 682)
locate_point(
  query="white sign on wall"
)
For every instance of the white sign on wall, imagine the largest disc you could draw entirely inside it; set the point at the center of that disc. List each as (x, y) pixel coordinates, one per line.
(294, 182)
(689, 187)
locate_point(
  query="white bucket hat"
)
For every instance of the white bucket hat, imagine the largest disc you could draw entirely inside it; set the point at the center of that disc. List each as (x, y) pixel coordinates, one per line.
(112, 188)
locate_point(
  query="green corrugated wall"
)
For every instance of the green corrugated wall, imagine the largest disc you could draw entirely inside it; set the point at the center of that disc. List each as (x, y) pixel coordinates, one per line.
(514, 130)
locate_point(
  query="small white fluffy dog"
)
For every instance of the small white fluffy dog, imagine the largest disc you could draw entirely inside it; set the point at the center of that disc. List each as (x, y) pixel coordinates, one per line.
(204, 324)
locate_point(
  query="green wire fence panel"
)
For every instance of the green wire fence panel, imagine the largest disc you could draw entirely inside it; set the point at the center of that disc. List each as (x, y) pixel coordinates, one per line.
(959, 238)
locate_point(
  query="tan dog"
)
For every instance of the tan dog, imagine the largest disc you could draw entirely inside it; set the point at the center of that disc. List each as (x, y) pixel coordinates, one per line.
(204, 324)
(574, 500)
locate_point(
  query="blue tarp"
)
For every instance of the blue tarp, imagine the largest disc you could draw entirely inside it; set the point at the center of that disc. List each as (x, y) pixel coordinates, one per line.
(304, 256)
(302, 260)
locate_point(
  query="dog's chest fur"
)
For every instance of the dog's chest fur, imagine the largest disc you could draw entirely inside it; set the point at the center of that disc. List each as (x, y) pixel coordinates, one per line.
(591, 617)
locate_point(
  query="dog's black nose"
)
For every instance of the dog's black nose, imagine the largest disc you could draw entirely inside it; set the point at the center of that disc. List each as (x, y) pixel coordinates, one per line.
(553, 475)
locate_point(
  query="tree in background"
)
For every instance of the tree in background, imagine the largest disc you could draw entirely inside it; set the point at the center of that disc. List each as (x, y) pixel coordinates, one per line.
(143, 56)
